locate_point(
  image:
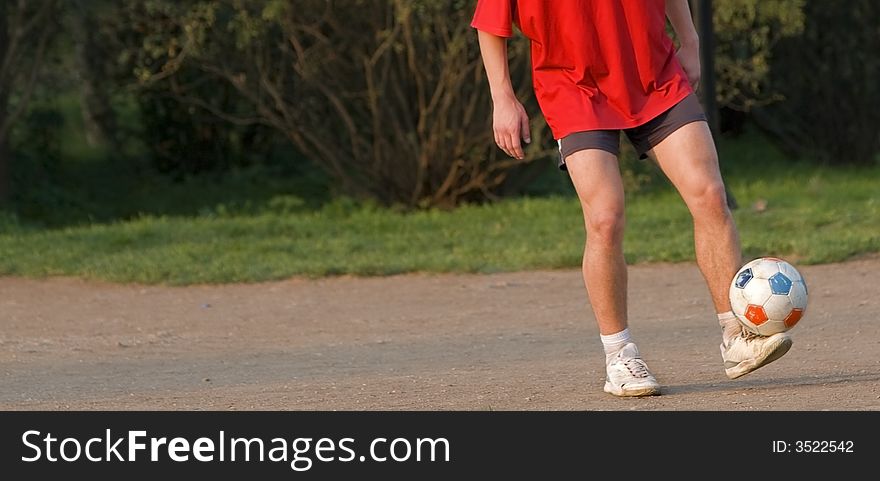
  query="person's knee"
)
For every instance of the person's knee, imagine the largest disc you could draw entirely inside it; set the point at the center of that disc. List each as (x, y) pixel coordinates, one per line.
(710, 200)
(606, 228)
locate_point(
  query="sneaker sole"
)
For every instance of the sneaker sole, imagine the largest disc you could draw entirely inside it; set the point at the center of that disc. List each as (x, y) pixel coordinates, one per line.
(772, 353)
(635, 392)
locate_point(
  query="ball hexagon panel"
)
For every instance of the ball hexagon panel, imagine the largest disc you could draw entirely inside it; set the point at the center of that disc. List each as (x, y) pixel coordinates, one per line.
(778, 307)
(793, 317)
(738, 302)
(771, 327)
(780, 284)
(798, 295)
(765, 269)
(790, 271)
(757, 291)
(752, 263)
(743, 278)
(756, 314)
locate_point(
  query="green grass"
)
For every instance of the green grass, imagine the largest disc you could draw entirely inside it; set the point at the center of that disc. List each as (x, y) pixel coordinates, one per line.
(814, 214)
(819, 217)
(825, 217)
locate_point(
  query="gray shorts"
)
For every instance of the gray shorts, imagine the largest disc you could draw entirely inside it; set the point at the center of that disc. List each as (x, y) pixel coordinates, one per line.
(644, 137)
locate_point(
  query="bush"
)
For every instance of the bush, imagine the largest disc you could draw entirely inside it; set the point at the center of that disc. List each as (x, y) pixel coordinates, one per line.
(746, 32)
(388, 97)
(181, 137)
(830, 75)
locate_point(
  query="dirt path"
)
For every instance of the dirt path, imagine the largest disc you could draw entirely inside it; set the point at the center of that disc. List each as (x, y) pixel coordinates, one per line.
(522, 341)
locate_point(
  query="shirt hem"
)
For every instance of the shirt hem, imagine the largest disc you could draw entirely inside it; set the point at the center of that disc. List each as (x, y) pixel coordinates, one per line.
(624, 125)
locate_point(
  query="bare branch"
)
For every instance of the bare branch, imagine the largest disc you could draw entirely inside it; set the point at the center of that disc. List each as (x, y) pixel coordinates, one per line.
(29, 86)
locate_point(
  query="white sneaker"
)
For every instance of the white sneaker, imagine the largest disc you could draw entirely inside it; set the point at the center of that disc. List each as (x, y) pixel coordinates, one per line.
(628, 375)
(748, 351)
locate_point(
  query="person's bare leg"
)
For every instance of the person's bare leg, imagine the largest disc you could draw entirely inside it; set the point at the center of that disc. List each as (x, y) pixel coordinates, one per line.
(689, 159)
(596, 178)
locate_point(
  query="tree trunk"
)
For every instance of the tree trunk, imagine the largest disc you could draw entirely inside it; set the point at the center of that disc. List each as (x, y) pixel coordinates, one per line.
(4, 170)
(702, 11)
(4, 101)
(97, 113)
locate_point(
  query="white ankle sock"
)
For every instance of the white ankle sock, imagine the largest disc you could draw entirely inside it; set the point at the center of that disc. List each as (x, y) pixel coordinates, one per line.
(615, 342)
(730, 326)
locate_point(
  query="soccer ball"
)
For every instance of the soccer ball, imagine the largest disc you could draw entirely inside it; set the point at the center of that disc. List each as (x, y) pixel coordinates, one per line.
(768, 295)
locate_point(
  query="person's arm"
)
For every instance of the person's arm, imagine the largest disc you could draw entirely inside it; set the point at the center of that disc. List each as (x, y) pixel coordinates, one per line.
(509, 119)
(679, 14)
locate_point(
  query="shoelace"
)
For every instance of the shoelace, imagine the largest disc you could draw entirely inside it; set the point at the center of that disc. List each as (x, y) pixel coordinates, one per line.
(636, 367)
(748, 335)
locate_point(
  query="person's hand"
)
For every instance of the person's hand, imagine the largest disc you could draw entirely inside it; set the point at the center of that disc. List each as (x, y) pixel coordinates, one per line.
(511, 124)
(689, 58)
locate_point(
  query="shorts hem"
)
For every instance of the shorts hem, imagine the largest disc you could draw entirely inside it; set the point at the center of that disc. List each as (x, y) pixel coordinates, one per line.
(561, 163)
(643, 153)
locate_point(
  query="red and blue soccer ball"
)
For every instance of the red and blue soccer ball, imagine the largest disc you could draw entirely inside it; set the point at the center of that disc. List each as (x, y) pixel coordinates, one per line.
(768, 295)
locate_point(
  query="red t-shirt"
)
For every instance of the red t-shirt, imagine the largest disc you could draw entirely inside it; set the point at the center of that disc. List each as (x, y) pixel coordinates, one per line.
(596, 64)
